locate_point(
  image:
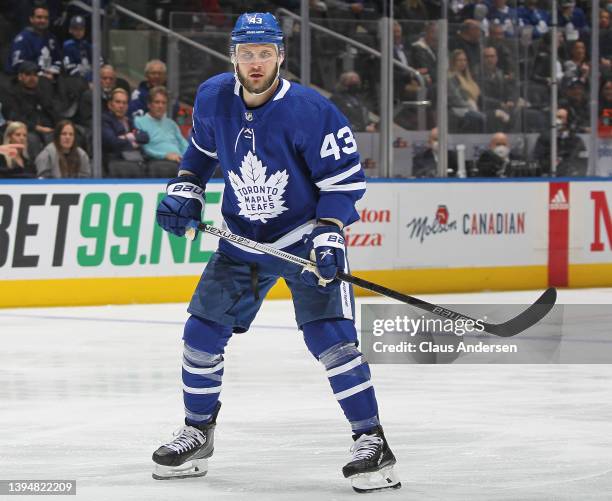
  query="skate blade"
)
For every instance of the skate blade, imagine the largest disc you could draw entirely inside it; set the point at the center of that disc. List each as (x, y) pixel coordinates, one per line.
(193, 468)
(380, 480)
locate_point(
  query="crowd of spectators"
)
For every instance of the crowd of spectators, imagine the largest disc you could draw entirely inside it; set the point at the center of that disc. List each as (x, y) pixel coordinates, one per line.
(46, 97)
(499, 78)
(499, 74)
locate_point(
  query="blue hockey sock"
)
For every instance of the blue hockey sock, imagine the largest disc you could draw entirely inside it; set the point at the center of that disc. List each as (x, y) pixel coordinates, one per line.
(333, 342)
(202, 368)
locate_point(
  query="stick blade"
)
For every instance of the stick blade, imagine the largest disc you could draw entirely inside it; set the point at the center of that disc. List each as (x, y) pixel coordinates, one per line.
(531, 316)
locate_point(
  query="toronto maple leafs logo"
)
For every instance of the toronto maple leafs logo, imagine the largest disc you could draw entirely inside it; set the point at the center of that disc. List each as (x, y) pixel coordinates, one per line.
(259, 198)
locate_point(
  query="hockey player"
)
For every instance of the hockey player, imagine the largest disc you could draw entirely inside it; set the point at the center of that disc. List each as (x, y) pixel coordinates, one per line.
(36, 44)
(292, 177)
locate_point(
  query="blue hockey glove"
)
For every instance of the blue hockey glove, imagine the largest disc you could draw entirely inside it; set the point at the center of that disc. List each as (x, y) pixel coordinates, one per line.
(325, 245)
(183, 203)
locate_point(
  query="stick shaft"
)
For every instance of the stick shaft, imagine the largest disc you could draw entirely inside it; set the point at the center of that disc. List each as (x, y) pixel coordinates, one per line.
(519, 323)
(346, 277)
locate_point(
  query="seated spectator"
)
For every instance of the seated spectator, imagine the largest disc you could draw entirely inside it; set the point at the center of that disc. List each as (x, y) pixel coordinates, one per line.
(32, 104)
(37, 45)
(423, 53)
(505, 52)
(500, 13)
(467, 39)
(19, 164)
(155, 75)
(347, 99)
(77, 50)
(120, 139)
(405, 84)
(572, 21)
(165, 139)
(605, 110)
(571, 151)
(578, 65)
(425, 163)
(109, 82)
(539, 86)
(500, 92)
(62, 158)
(463, 95)
(498, 160)
(399, 49)
(531, 15)
(574, 99)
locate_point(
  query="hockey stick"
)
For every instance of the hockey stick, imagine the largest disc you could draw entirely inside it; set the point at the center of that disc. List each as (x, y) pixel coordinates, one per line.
(532, 315)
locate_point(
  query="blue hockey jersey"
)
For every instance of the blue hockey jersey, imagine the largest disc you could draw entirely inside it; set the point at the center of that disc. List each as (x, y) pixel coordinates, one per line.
(77, 58)
(286, 163)
(42, 50)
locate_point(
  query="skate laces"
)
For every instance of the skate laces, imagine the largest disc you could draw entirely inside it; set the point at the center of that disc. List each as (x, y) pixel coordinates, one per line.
(187, 437)
(365, 446)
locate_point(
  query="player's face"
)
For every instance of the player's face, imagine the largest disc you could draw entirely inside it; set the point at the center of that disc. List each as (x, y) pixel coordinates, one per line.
(158, 106)
(40, 19)
(256, 66)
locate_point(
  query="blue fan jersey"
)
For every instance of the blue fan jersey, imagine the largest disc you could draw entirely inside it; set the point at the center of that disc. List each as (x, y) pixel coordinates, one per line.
(40, 49)
(286, 163)
(77, 58)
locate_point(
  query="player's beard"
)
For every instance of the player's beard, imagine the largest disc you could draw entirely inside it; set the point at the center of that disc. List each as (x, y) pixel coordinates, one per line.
(257, 89)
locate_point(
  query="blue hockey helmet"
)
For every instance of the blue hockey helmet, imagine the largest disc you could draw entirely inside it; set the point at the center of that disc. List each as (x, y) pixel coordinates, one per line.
(257, 27)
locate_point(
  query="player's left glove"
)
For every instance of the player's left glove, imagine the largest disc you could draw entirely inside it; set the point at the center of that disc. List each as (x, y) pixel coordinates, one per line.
(325, 245)
(183, 203)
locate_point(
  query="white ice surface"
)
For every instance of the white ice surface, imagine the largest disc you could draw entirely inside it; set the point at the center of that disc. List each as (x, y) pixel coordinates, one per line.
(90, 393)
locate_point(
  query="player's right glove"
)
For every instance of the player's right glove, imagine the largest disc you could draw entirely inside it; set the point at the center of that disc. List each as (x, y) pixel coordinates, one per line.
(324, 245)
(183, 203)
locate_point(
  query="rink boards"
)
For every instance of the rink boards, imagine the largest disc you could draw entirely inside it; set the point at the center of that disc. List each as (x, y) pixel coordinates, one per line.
(96, 242)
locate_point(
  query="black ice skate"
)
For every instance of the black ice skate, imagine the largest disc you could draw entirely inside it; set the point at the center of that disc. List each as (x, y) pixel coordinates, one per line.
(371, 467)
(187, 455)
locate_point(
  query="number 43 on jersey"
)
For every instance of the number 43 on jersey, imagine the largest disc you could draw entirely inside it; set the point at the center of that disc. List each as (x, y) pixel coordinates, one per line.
(330, 145)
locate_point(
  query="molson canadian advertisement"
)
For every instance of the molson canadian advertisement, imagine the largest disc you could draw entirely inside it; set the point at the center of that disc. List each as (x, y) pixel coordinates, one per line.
(95, 242)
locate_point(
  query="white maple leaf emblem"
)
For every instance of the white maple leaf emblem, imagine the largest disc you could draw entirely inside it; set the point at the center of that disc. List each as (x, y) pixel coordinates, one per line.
(259, 198)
